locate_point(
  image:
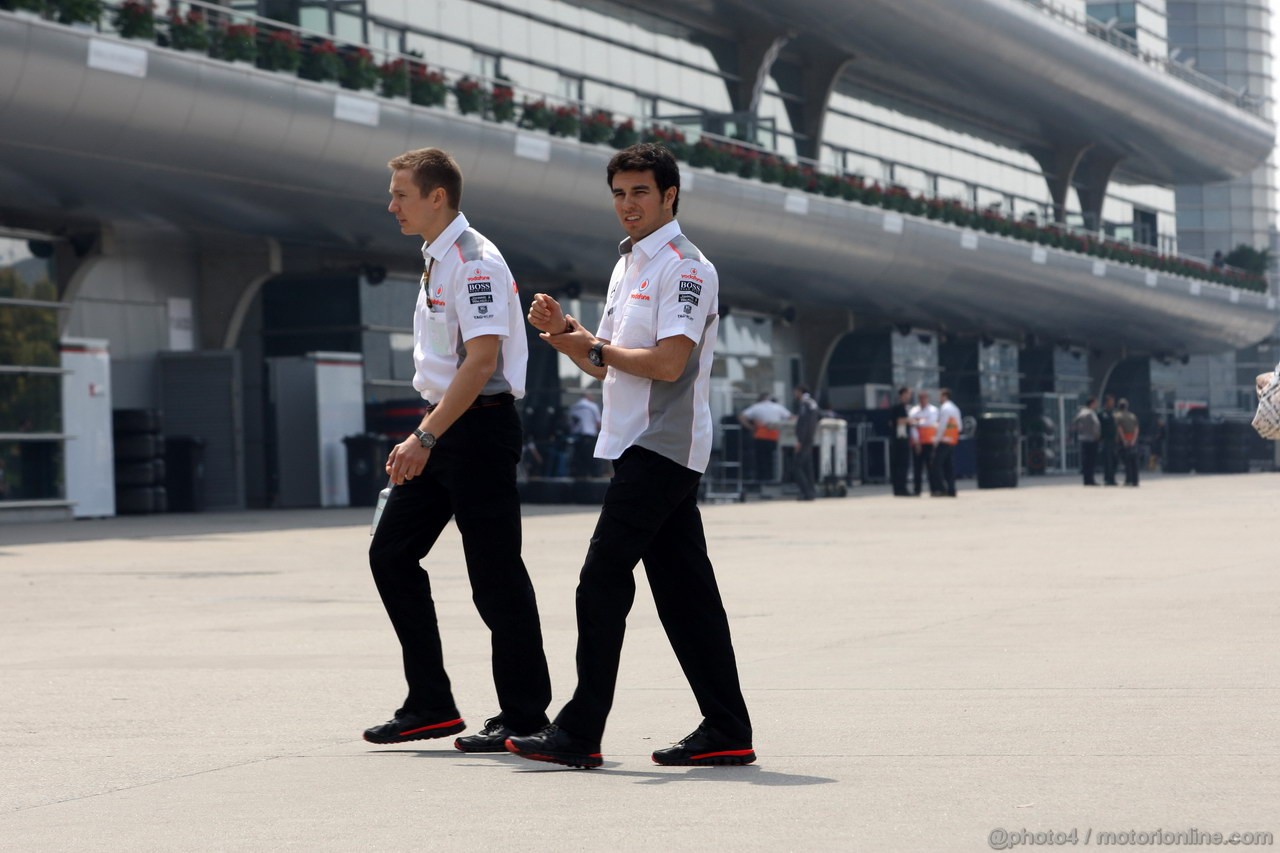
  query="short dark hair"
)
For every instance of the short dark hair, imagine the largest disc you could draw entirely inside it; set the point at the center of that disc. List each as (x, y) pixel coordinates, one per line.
(432, 168)
(944, 392)
(644, 156)
(1123, 405)
(803, 389)
(1092, 399)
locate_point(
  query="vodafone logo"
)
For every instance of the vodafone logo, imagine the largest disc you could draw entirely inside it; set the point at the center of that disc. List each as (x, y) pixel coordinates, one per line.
(644, 284)
(438, 289)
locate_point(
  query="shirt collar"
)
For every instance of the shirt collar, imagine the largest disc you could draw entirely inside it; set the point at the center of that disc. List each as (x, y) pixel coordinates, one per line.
(650, 245)
(437, 247)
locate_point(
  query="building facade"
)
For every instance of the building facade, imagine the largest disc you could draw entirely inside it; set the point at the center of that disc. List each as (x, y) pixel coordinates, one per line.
(1065, 171)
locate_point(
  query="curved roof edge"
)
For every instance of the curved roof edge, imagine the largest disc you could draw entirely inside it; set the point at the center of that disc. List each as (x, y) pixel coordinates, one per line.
(198, 144)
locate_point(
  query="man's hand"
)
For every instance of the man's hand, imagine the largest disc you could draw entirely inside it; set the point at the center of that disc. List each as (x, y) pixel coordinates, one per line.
(1263, 380)
(573, 343)
(406, 460)
(546, 315)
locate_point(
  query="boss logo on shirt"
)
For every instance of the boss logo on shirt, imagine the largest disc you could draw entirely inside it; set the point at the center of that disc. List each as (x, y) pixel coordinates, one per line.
(690, 287)
(475, 300)
(688, 297)
(481, 287)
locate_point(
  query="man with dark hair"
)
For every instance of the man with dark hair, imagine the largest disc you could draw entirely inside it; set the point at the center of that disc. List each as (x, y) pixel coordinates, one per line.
(1107, 439)
(653, 351)
(944, 444)
(1127, 436)
(806, 431)
(1087, 429)
(900, 443)
(469, 356)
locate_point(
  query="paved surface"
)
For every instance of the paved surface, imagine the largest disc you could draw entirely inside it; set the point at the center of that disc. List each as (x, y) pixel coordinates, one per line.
(920, 673)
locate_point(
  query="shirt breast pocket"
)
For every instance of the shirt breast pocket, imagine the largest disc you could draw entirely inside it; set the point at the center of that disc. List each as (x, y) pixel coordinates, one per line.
(637, 325)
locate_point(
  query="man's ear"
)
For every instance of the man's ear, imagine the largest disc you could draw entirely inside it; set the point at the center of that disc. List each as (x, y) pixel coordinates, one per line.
(669, 197)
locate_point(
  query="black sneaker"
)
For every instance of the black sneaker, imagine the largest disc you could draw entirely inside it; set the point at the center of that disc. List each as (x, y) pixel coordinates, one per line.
(406, 727)
(492, 738)
(554, 744)
(704, 748)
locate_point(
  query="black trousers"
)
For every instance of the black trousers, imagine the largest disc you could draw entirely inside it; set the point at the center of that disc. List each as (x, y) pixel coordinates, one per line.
(1108, 451)
(1088, 461)
(922, 468)
(764, 451)
(471, 478)
(803, 472)
(944, 466)
(651, 513)
(1129, 456)
(899, 462)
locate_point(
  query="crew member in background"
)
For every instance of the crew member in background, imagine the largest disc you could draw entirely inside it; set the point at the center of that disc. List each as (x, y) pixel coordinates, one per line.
(923, 417)
(900, 443)
(1107, 439)
(944, 444)
(1087, 429)
(1127, 436)
(761, 420)
(806, 430)
(584, 426)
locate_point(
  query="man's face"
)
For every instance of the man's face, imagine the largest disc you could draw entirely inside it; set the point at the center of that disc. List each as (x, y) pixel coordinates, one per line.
(411, 209)
(924, 398)
(640, 207)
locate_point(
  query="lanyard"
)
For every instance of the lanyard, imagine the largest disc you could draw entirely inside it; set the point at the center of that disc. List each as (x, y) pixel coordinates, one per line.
(426, 284)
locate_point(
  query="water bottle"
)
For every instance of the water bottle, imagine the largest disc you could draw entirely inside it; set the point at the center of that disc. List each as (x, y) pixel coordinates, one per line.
(377, 511)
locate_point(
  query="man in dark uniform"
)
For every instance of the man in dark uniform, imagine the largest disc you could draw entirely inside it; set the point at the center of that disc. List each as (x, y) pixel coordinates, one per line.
(1107, 439)
(900, 443)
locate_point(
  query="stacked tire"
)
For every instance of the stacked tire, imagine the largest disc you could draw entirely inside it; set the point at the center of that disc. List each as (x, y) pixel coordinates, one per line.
(1204, 447)
(1233, 447)
(139, 461)
(997, 446)
(1178, 444)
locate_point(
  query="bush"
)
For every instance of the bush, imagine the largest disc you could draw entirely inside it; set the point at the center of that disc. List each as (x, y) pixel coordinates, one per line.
(359, 71)
(394, 79)
(625, 135)
(189, 31)
(321, 62)
(281, 51)
(77, 11)
(427, 88)
(470, 96)
(502, 103)
(135, 20)
(236, 43)
(597, 127)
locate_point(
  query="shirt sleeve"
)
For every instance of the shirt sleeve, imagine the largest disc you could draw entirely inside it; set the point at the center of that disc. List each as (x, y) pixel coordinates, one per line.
(481, 292)
(688, 290)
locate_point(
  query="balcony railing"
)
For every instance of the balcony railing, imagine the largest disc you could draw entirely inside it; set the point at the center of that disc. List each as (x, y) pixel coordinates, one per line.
(1098, 29)
(233, 36)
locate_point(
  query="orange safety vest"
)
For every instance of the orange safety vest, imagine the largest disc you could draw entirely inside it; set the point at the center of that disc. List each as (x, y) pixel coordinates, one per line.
(927, 433)
(951, 435)
(766, 433)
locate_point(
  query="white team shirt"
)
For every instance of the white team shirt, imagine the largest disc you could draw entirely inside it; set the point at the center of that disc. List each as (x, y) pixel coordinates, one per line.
(584, 418)
(923, 416)
(471, 293)
(662, 286)
(947, 413)
(768, 412)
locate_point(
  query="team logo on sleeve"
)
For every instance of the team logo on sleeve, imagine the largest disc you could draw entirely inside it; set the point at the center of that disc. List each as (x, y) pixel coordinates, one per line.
(688, 286)
(688, 297)
(484, 309)
(484, 297)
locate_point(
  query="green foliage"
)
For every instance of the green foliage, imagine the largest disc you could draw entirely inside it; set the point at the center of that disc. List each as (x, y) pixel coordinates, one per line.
(1253, 261)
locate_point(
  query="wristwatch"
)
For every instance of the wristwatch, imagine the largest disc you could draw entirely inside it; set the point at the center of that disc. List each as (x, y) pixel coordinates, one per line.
(426, 439)
(595, 355)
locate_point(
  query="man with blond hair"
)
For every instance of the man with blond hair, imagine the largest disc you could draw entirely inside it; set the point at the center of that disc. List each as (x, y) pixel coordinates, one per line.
(470, 356)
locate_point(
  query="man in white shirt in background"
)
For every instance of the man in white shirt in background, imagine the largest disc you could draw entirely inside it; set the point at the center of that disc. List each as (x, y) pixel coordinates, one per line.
(944, 444)
(584, 427)
(761, 420)
(923, 417)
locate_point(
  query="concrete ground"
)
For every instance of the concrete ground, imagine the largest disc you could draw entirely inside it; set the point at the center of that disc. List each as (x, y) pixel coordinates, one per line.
(921, 673)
